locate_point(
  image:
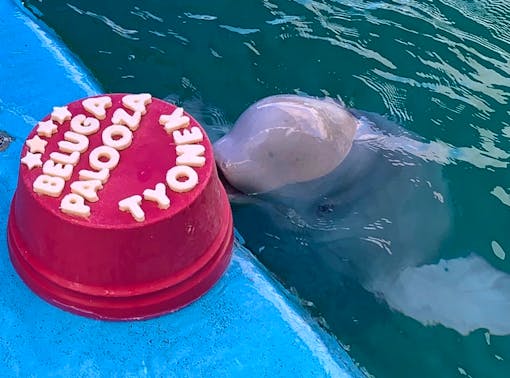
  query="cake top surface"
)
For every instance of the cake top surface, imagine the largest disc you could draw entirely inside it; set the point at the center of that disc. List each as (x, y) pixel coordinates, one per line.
(116, 160)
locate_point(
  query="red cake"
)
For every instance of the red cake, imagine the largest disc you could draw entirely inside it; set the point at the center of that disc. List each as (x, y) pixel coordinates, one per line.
(119, 212)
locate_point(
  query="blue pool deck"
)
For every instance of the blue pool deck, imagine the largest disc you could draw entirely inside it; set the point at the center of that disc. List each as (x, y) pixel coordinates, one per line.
(246, 326)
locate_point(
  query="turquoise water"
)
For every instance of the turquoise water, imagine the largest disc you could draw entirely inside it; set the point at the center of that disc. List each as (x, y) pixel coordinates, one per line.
(441, 69)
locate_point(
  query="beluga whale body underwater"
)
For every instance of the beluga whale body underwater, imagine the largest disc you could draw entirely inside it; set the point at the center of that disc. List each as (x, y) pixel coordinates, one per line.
(370, 197)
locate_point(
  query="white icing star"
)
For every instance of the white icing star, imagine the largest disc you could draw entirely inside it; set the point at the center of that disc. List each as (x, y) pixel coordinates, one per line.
(61, 114)
(32, 160)
(36, 144)
(47, 128)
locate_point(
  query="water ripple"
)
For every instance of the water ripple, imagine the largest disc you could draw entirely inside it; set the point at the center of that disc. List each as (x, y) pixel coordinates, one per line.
(283, 20)
(145, 15)
(492, 14)
(242, 31)
(203, 17)
(393, 96)
(117, 29)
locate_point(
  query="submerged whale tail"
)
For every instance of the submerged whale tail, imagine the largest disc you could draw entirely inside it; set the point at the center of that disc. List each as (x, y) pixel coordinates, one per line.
(464, 294)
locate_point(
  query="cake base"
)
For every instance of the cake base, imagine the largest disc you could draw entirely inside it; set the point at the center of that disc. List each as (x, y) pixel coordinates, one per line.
(109, 307)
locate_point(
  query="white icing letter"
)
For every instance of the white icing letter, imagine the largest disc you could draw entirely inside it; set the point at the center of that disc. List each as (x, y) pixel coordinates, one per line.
(121, 117)
(123, 134)
(73, 142)
(157, 195)
(110, 155)
(58, 170)
(57, 157)
(193, 136)
(181, 171)
(73, 204)
(84, 125)
(87, 189)
(49, 185)
(190, 154)
(97, 106)
(137, 102)
(174, 121)
(132, 204)
(102, 175)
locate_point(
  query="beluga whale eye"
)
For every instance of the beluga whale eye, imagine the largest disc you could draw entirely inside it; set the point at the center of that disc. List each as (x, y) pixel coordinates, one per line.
(326, 208)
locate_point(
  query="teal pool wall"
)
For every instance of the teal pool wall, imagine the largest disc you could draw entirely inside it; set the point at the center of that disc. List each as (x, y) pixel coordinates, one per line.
(246, 326)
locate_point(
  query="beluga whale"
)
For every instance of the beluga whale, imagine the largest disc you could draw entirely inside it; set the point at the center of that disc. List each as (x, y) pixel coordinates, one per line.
(369, 198)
